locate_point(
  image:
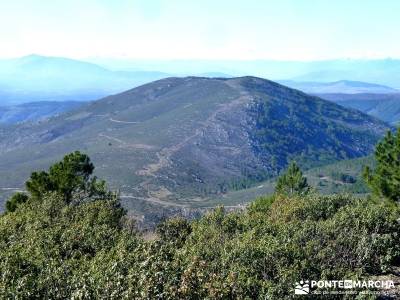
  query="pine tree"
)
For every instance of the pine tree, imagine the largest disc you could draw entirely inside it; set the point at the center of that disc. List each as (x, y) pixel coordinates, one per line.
(72, 178)
(292, 181)
(385, 179)
(16, 199)
(38, 184)
(71, 174)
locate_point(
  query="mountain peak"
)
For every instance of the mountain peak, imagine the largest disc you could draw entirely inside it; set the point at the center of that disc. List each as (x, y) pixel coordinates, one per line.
(33, 55)
(179, 139)
(31, 58)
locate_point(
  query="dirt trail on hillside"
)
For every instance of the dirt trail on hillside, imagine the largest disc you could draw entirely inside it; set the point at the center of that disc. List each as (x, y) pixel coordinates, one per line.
(154, 200)
(124, 122)
(164, 156)
(127, 145)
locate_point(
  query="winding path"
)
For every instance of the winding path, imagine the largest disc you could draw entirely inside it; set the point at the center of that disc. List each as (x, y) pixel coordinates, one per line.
(154, 200)
(164, 156)
(125, 144)
(124, 122)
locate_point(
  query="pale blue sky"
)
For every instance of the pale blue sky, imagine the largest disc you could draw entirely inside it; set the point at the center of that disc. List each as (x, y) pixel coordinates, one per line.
(202, 29)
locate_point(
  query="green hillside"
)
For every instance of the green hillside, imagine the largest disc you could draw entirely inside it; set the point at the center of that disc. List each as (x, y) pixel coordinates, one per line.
(338, 177)
(173, 143)
(34, 111)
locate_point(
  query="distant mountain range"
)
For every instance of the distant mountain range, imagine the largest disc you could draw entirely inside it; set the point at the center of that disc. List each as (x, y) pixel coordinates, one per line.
(177, 142)
(377, 100)
(37, 78)
(383, 106)
(342, 86)
(380, 71)
(383, 71)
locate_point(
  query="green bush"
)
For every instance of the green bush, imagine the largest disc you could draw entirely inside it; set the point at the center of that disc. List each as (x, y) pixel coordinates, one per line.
(17, 199)
(312, 237)
(50, 249)
(54, 248)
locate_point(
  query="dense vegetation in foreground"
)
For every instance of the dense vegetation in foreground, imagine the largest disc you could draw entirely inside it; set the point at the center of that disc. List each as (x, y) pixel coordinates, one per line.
(52, 250)
(70, 238)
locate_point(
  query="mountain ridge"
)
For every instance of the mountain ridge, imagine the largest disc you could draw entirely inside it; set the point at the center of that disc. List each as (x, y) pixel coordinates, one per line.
(37, 78)
(340, 86)
(180, 140)
(383, 106)
(382, 71)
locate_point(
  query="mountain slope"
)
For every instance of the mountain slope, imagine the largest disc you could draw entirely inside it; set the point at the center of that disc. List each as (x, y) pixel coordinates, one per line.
(177, 141)
(342, 86)
(383, 106)
(34, 111)
(36, 78)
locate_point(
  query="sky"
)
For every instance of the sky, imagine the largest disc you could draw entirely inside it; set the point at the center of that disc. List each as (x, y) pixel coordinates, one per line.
(201, 29)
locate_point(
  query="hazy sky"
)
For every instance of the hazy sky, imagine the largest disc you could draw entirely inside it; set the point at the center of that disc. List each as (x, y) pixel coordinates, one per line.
(189, 29)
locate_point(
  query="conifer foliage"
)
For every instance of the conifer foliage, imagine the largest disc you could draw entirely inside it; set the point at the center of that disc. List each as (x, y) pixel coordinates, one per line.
(384, 180)
(72, 178)
(292, 181)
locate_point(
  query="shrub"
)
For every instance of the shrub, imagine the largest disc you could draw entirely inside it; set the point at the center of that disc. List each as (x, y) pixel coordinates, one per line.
(16, 200)
(51, 248)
